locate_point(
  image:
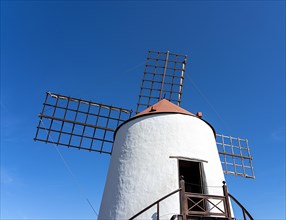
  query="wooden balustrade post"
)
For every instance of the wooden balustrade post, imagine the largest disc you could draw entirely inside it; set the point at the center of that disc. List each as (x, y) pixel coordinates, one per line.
(158, 211)
(227, 204)
(183, 200)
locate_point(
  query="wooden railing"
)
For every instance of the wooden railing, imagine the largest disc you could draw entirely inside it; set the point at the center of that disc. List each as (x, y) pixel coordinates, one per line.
(194, 204)
(206, 205)
(157, 203)
(246, 214)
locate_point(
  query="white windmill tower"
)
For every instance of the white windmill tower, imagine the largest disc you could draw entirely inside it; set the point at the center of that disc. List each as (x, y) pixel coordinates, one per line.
(166, 162)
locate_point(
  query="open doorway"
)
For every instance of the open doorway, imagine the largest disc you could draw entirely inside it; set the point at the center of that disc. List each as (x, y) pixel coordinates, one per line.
(192, 171)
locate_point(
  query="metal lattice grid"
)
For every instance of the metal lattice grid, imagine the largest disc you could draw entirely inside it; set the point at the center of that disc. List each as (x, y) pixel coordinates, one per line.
(163, 78)
(79, 123)
(235, 156)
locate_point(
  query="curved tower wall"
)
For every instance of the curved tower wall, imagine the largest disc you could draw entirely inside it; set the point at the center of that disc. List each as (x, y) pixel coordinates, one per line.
(141, 170)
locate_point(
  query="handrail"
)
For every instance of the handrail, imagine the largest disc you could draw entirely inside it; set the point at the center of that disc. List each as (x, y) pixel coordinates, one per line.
(244, 211)
(200, 195)
(154, 203)
(184, 204)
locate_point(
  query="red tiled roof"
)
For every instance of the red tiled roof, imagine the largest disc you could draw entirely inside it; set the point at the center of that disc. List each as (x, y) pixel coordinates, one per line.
(164, 106)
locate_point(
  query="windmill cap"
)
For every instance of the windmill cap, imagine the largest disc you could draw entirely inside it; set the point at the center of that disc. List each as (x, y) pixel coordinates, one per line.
(164, 106)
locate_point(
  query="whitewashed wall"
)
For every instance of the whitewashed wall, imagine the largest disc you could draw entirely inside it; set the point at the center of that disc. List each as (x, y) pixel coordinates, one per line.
(141, 170)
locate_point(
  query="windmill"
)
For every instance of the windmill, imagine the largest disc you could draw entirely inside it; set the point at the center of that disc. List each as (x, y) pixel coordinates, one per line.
(166, 162)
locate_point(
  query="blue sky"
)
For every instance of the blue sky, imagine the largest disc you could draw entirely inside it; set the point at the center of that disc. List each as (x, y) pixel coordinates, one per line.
(96, 50)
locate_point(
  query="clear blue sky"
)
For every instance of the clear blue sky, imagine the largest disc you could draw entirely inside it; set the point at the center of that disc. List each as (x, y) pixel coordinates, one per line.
(96, 50)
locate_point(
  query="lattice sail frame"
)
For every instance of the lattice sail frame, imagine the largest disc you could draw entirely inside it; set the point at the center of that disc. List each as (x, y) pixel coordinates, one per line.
(235, 156)
(163, 78)
(90, 126)
(79, 123)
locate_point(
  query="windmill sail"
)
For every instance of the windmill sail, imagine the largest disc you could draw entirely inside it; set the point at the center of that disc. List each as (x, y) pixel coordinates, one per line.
(87, 125)
(163, 78)
(235, 156)
(79, 123)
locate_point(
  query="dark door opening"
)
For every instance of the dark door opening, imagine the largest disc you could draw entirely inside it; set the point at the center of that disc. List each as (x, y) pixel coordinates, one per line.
(193, 176)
